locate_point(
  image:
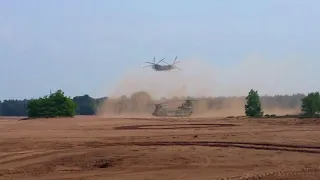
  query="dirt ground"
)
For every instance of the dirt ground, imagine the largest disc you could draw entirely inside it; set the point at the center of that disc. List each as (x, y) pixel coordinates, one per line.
(95, 148)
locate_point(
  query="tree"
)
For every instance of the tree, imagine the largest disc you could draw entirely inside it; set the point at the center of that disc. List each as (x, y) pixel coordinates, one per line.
(85, 105)
(253, 105)
(311, 105)
(54, 105)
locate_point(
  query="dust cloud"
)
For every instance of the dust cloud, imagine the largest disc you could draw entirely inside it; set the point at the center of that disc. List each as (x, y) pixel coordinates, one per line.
(203, 80)
(175, 83)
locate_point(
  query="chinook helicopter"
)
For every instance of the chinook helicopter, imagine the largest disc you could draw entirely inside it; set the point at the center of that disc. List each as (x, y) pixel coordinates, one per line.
(184, 110)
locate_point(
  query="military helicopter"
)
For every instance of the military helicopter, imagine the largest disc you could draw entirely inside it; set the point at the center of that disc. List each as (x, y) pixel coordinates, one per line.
(157, 67)
(184, 110)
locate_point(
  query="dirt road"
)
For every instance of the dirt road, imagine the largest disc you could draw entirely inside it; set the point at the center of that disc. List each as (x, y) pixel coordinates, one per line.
(96, 148)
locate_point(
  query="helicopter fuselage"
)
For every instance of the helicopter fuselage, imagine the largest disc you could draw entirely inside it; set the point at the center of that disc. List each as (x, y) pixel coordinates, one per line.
(158, 67)
(166, 112)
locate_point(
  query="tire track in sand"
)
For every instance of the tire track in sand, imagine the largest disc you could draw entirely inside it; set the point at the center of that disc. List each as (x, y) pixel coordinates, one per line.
(308, 173)
(4, 155)
(172, 126)
(243, 145)
(21, 156)
(35, 158)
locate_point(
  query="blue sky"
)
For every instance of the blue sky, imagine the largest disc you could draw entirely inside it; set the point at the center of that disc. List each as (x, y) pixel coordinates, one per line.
(86, 47)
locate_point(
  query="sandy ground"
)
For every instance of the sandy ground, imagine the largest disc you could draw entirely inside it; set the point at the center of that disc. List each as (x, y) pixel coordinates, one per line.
(96, 148)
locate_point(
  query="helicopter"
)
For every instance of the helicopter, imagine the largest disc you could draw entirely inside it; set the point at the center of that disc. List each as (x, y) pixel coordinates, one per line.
(158, 67)
(184, 110)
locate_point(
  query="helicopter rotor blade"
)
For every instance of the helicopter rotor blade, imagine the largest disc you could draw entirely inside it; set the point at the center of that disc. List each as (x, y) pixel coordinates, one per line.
(149, 62)
(155, 104)
(148, 66)
(179, 100)
(169, 101)
(161, 60)
(166, 62)
(175, 60)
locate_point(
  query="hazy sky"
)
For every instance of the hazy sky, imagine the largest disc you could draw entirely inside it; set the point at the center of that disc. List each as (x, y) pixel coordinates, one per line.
(86, 46)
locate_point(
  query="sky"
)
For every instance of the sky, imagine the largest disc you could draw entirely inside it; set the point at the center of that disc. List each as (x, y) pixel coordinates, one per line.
(94, 47)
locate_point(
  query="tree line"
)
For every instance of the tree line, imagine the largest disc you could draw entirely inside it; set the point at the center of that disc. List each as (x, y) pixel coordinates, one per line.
(310, 105)
(137, 102)
(83, 105)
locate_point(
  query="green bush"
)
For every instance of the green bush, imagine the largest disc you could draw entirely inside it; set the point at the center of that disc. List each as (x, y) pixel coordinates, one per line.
(54, 105)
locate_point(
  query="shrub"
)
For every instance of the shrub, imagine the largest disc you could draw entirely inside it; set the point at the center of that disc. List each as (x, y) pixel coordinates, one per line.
(54, 105)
